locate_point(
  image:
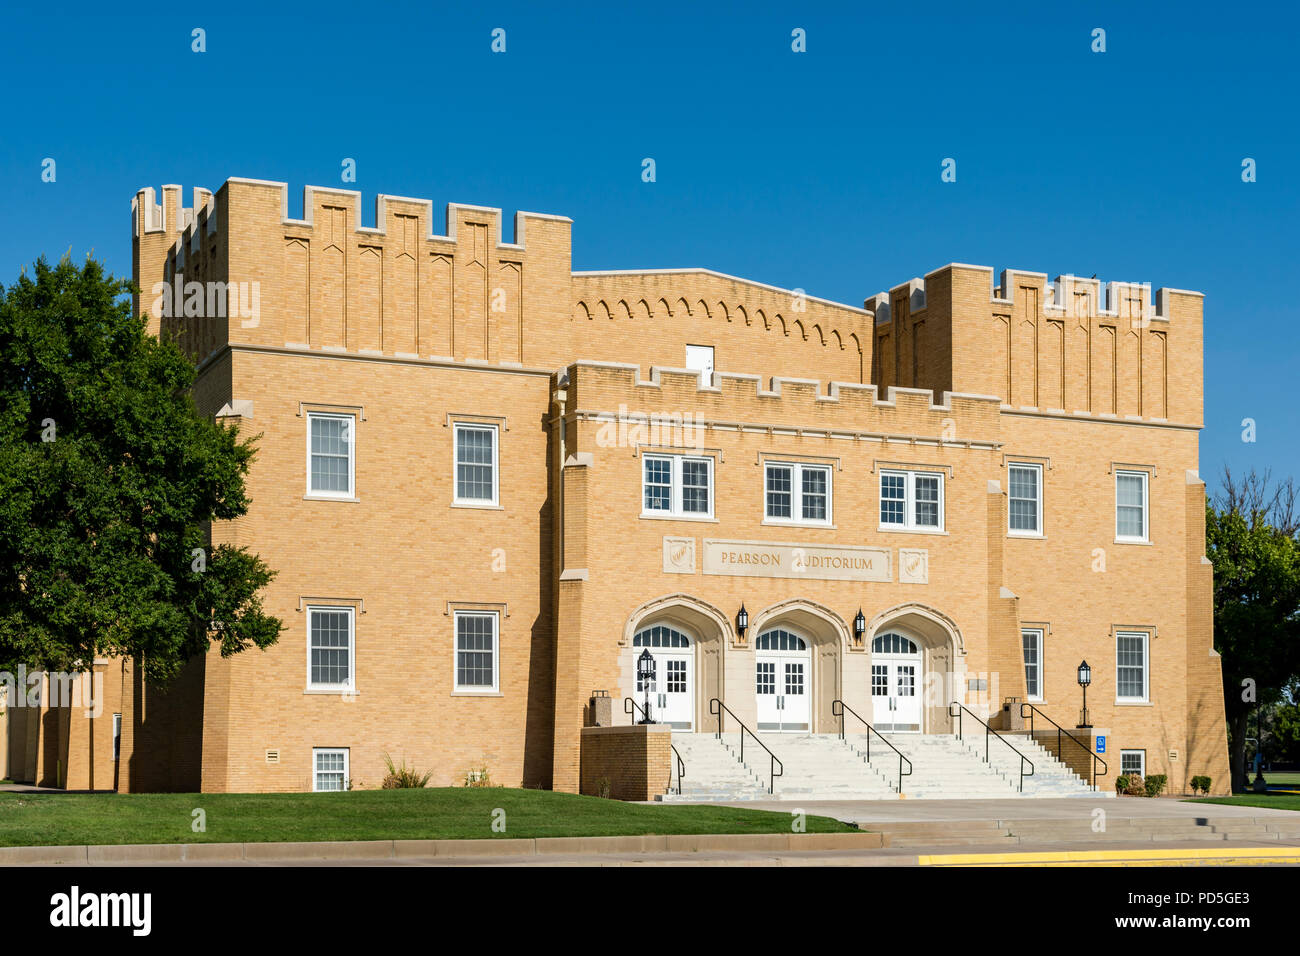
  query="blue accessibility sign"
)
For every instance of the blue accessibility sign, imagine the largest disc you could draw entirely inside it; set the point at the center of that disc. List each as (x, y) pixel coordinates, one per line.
(1101, 744)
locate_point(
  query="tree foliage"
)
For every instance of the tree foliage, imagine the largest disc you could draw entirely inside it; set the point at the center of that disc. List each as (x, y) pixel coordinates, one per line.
(109, 482)
(1251, 538)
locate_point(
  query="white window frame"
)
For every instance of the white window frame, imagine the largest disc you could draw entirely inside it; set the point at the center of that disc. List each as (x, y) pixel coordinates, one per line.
(1038, 504)
(471, 689)
(351, 432)
(1040, 641)
(1145, 537)
(117, 738)
(456, 499)
(1142, 756)
(909, 501)
(797, 469)
(315, 772)
(1146, 667)
(350, 686)
(675, 488)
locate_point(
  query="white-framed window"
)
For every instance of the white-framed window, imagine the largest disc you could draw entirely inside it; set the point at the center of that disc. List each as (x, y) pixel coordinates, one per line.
(477, 658)
(117, 737)
(476, 464)
(911, 500)
(677, 486)
(1133, 762)
(331, 650)
(1024, 499)
(699, 358)
(797, 493)
(331, 455)
(1132, 670)
(329, 769)
(1031, 638)
(1131, 509)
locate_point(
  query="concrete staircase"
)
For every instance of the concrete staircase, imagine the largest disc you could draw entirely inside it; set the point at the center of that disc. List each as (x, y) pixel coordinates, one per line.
(825, 767)
(714, 772)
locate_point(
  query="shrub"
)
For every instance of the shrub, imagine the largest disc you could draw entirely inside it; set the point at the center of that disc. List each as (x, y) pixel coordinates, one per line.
(1136, 786)
(1200, 785)
(604, 788)
(1155, 784)
(403, 777)
(1121, 783)
(478, 777)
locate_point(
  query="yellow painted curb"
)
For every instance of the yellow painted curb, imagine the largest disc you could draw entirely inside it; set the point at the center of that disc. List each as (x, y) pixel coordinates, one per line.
(1116, 857)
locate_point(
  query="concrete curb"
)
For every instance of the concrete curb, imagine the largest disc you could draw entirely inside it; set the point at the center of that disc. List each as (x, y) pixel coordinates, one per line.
(424, 849)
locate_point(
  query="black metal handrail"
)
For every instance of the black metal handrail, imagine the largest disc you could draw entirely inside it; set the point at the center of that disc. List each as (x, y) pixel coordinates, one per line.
(987, 731)
(901, 759)
(773, 772)
(1061, 733)
(630, 706)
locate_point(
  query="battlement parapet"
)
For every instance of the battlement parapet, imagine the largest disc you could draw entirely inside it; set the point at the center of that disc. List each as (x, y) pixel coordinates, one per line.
(1066, 294)
(735, 401)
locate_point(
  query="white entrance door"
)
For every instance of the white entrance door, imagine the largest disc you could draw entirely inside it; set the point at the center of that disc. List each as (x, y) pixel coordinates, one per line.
(672, 690)
(895, 682)
(782, 686)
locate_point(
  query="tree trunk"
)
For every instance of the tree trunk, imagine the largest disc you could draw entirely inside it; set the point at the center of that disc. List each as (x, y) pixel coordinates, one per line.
(1237, 750)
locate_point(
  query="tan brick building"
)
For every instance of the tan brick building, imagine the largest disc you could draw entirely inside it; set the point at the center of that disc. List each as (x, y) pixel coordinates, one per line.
(488, 483)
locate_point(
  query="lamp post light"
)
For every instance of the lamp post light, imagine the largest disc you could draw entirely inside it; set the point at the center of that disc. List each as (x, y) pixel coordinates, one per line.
(742, 622)
(859, 626)
(645, 673)
(1085, 678)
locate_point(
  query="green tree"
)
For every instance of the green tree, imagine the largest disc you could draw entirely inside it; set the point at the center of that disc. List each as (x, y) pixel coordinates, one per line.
(1285, 737)
(109, 482)
(1250, 532)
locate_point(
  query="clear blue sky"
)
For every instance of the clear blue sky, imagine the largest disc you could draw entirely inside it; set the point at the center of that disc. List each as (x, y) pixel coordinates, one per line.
(818, 170)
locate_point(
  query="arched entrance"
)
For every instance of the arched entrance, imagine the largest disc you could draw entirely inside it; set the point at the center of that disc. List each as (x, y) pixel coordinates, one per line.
(782, 679)
(672, 690)
(825, 638)
(896, 669)
(937, 654)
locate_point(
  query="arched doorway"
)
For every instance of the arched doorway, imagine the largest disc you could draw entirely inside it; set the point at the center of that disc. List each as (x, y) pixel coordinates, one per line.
(782, 679)
(896, 677)
(939, 670)
(672, 689)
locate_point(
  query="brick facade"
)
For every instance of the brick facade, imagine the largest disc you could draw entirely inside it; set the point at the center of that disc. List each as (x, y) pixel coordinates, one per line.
(410, 327)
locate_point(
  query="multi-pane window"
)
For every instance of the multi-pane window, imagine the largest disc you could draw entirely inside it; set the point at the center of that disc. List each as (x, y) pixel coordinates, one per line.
(1131, 505)
(911, 500)
(329, 648)
(793, 679)
(675, 677)
(476, 464)
(879, 680)
(1131, 668)
(1032, 641)
(677, 485)
(329, 769)
(476, 651)
(1025, 499)
(797, 492)
(330, 460)
(906, 680)
(767, 677)
(1133, 762)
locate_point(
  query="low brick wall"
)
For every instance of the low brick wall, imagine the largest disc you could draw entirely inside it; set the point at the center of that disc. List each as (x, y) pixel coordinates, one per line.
(632, 762)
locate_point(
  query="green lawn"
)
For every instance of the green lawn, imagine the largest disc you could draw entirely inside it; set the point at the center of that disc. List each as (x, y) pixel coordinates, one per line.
(1279, 801)
(1289, 779)
(47, 819)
